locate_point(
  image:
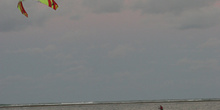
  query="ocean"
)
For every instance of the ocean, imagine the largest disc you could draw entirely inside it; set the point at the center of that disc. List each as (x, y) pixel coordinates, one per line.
(192, 104)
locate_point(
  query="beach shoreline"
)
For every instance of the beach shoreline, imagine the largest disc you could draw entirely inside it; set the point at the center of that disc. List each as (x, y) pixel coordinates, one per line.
(108, 103)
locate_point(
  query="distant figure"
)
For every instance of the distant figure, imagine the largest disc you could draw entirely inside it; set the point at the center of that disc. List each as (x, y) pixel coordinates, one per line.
(160, 108)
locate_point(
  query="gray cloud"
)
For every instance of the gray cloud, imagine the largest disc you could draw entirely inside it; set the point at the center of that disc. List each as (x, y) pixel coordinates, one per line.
(170, 6)
(104, 6)
(194, 65)
(33, 50)
(211, 43)
(180, 14)
(203, 18)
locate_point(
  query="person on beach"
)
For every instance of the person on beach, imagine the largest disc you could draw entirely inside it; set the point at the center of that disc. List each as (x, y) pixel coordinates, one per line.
(160, 108)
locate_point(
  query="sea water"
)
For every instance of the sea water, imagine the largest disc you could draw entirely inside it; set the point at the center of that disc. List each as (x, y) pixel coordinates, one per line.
(201, 104)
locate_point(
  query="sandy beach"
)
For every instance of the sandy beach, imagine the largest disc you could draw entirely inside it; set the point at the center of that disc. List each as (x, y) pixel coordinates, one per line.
(133, 105)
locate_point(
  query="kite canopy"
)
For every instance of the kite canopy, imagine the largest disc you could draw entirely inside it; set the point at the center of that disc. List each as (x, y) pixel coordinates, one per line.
(50, 3)
(21, 8)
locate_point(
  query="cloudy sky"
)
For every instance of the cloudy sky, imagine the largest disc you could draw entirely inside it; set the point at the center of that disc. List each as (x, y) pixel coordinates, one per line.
(109, 50)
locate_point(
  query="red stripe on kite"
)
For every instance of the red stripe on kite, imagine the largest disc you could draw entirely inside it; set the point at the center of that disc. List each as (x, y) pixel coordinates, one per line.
(22, 9)
(49, 2)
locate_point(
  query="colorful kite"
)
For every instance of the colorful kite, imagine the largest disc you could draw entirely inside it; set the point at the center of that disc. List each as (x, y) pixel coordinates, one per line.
(50, 3)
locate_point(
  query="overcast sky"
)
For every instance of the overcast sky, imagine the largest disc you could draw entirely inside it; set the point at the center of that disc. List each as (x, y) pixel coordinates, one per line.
(109, 50)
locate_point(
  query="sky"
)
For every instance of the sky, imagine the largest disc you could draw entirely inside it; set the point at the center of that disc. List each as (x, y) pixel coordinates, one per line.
(109, 50)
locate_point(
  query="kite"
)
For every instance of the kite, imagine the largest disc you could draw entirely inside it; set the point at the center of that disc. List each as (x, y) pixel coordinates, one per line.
(21, 8)
(51, 3)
